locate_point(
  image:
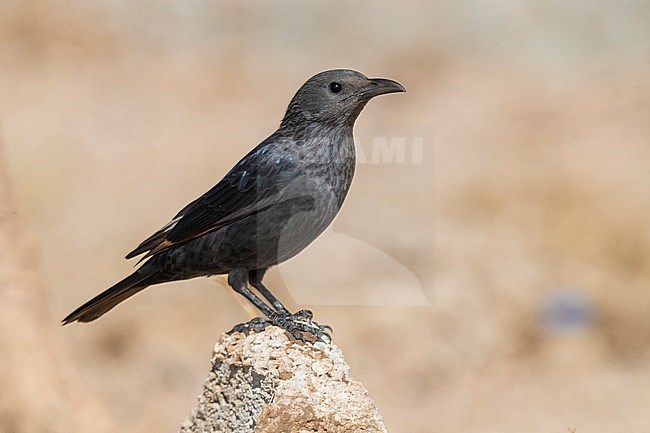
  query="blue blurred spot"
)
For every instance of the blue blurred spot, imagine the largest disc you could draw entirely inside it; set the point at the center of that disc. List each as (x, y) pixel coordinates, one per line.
(567, 311)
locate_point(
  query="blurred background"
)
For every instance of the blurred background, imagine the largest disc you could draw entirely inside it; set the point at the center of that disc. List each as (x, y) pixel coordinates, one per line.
(512, 259)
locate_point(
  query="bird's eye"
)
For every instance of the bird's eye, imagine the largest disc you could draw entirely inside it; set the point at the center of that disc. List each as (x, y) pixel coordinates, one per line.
(335, 87)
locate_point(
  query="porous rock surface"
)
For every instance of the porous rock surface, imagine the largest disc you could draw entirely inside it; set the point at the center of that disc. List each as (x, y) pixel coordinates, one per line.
(267, 383)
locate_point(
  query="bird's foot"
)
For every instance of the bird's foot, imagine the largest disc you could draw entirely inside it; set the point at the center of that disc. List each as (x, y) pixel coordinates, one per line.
(302, 327)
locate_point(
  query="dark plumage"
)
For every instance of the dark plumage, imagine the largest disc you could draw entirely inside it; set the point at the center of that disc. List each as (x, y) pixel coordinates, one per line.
(267, 208)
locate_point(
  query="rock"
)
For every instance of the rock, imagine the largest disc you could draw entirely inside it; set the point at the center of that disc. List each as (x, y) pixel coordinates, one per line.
(267, 383)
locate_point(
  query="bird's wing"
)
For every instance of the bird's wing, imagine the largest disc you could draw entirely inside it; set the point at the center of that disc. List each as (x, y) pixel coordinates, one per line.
(252, 185)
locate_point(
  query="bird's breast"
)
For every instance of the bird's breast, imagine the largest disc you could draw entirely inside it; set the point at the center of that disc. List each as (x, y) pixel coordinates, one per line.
(328, 164)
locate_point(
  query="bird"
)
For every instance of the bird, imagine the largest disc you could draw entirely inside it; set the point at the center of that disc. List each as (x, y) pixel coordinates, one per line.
(272, 204)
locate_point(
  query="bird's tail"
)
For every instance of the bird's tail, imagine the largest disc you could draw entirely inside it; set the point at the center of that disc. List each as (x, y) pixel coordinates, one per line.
(105, 301)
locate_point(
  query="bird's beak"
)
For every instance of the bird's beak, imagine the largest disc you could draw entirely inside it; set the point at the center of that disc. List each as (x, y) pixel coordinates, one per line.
(381, 86)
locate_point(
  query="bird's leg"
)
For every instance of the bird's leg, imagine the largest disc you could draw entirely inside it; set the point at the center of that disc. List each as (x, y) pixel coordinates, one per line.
(304, 316)
(238, 280)
(255, 278)
(298, 325)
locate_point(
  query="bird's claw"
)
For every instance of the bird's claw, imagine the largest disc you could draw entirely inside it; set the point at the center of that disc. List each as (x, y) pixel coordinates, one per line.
(300, 325)
(258, 324)
(308, 316)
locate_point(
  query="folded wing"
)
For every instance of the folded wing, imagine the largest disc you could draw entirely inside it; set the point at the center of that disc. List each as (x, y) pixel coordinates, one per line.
(254, 184)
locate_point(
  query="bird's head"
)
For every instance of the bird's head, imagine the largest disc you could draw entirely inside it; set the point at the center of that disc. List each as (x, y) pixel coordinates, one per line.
(335, 98)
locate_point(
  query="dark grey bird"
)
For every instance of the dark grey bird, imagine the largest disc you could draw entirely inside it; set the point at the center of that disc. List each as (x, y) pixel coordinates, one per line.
(272, 204)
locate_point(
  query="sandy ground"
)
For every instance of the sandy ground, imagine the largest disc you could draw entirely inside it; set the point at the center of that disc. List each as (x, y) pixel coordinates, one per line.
(499, 283)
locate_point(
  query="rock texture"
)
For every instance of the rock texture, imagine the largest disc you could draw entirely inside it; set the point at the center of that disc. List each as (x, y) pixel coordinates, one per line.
(267, 383)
